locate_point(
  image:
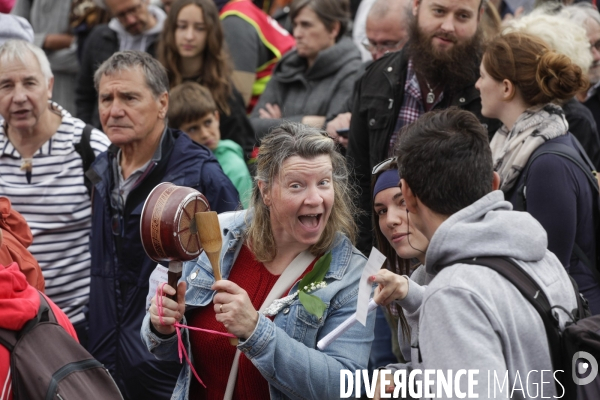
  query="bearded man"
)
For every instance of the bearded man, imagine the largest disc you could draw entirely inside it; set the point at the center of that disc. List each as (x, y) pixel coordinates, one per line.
(437, 69)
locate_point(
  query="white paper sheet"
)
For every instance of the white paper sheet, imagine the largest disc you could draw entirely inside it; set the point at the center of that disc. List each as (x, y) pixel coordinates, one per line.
(374, 264)
(158, 276)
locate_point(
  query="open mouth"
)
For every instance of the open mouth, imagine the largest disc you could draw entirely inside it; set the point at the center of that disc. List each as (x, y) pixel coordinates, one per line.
(310, 220)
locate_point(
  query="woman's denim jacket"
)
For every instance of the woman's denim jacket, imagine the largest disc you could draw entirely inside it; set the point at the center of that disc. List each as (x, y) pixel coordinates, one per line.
(283, 350)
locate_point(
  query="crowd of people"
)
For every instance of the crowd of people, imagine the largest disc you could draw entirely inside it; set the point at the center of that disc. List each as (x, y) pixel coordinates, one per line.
(437, 131)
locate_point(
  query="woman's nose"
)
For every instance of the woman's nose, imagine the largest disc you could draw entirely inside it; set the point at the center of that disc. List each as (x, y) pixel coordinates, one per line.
(393, 219)
(313, 197)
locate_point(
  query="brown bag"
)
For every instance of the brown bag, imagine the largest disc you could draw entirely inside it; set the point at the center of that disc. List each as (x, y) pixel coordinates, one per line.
(47, 363)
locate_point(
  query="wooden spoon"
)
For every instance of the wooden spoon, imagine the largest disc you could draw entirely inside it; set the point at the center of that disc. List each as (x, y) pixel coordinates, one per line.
(209, 232)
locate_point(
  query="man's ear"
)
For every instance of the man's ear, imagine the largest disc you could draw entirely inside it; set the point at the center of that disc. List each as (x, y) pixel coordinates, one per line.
(415, 7)
(163, 105)
(495, 181)
(409, 197)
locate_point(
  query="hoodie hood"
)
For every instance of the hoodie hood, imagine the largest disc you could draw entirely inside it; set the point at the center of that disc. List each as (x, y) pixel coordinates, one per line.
(488, 227)
(19, 302)
(13, 222)
(328, 62)
(142, 41)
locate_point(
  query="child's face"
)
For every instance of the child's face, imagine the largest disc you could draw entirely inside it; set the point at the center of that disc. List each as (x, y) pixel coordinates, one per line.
(204, 130)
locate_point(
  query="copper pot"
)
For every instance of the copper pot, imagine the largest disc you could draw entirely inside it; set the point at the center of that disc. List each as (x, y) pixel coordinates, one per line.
(168, 227)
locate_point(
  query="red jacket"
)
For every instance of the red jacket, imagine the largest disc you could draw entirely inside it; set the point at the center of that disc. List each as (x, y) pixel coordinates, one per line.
(15, 238)
(19, 302)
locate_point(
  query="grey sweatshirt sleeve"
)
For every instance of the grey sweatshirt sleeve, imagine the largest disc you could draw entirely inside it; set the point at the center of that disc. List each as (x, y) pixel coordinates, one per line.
(412, 302)
(457, 332)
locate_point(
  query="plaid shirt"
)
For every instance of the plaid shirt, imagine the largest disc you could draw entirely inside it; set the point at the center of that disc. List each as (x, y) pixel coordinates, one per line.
(412, 105)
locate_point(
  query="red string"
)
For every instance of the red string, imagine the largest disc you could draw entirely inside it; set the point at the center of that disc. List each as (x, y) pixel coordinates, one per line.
(180, 347)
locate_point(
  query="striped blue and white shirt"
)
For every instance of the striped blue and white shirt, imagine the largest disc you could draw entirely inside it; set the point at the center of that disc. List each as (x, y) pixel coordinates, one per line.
(56, 204)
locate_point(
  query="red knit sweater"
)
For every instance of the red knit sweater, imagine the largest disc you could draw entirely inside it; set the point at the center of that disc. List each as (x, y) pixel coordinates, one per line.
(213, 354)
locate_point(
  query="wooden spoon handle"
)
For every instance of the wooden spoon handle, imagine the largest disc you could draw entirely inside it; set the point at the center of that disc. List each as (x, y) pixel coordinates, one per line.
(214, 262)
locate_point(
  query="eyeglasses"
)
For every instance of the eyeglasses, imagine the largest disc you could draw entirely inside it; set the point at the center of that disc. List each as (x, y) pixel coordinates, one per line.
(382, 47)
(131, 10)
(384, 165)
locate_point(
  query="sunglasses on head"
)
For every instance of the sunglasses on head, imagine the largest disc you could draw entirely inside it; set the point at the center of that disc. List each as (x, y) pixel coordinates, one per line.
(382, 166)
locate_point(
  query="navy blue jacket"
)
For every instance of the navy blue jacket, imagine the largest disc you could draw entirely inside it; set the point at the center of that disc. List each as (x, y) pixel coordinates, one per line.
(120, 268)
(560, 197)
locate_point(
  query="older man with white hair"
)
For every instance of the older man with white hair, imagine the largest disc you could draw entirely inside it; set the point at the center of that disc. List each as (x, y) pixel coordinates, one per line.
(43, 156)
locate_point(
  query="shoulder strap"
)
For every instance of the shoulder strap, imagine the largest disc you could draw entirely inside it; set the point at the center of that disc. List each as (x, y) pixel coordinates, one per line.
(531, 291)
(578, 157)
(84, 148)
(9, 338)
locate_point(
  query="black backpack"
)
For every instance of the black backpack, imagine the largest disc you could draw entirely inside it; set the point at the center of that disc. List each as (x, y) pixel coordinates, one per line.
(582, 334)
(46, 363)
(84, 148)
(580, 158)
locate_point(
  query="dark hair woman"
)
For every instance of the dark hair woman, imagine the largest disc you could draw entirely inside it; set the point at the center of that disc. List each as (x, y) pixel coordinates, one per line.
(401, 243)
(313, 81)
(191, 48)
(520, 78)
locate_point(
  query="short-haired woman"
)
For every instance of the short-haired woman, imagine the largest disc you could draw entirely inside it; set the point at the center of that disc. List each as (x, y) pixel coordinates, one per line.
(301, 209)
(314, 80)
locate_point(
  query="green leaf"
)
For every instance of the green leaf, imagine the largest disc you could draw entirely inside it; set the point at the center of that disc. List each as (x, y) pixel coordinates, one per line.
(312, 304)
(318, 272)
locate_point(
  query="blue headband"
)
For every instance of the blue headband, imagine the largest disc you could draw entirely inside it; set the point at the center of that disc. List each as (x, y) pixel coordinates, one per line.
(387, 179)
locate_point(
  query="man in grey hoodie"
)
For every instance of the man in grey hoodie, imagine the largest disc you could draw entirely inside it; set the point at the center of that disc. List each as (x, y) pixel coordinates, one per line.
(470, 317)
(136, 26)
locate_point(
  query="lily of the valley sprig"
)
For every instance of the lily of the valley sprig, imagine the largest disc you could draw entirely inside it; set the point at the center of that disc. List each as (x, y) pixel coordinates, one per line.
(311, 282)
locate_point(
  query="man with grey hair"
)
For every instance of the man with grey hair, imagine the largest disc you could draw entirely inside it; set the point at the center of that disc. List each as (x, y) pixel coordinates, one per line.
(43, 153)
(136, 26)
(132, 101)
(386, 32)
